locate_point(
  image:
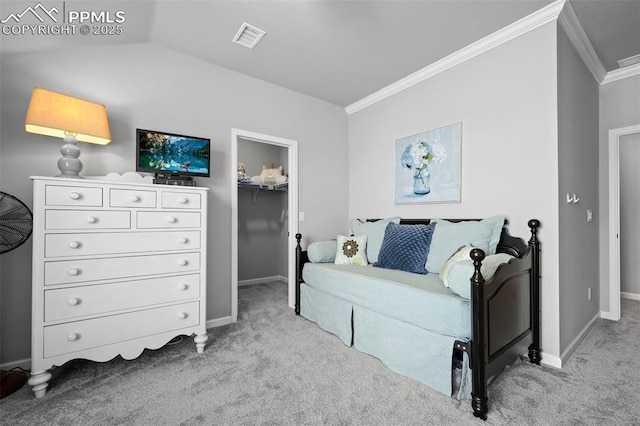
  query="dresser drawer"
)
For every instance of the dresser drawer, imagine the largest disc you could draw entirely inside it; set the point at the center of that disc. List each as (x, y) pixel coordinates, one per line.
(73, 196)
(180, 200)
(87, 219)
(168, 220)
(74, 271)
(132, 198)
(80, 335)
(57, 245)
(68, 303)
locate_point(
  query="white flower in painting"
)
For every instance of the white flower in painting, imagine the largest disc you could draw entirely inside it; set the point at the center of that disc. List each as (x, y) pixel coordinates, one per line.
(439, 153)
(419, 155)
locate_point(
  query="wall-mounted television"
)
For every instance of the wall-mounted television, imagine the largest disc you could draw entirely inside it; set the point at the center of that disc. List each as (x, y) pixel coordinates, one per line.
(166, 153)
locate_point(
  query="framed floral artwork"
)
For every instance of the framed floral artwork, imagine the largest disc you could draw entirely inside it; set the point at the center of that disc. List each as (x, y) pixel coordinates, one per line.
(428, 166)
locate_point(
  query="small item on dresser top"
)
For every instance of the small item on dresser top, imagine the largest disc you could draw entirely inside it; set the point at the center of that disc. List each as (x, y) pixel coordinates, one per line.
(174, 158)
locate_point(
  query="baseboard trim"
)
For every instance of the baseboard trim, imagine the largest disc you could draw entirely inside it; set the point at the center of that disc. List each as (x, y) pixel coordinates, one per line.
(22, 363)
(262, 280)
(607, 315)
(632, 296)
(551, 360)
(579, 338)
(558, 362)
(219, 322)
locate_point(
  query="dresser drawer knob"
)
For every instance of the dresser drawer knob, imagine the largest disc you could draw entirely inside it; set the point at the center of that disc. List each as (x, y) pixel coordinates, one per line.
(73, 337)
(134, 198)
(74, 244)
(172, 219)
(73, 301)
(183, 287)
(183, 240)
(183, 262)
(182, 315)
(183, 200)
(74, 271)
(74, 196)
(92, 219)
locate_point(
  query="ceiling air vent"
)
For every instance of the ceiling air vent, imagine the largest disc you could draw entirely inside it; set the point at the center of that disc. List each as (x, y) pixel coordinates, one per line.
(248, 35)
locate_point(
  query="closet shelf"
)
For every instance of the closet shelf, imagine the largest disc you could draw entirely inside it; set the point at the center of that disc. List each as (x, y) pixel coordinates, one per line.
(257, 187)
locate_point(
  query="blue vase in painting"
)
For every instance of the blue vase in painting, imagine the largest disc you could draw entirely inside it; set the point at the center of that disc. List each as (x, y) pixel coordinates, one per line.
(422, 182)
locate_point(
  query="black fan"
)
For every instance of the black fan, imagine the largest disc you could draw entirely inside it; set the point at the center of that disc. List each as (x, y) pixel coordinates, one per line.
(15, 222)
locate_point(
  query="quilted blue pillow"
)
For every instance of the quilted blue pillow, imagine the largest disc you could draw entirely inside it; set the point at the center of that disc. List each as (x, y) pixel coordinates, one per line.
(405, 247)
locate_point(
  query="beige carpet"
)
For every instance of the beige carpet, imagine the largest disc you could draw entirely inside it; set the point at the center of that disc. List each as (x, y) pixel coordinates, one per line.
(274, 368)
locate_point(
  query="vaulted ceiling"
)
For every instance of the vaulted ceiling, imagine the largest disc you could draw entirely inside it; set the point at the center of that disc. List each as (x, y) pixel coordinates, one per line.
(338, 51)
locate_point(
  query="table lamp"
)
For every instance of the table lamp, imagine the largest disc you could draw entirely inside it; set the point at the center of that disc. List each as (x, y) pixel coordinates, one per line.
(55, 114)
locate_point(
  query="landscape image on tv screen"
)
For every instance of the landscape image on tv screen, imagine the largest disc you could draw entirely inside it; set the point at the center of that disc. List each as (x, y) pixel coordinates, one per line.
(165, 152)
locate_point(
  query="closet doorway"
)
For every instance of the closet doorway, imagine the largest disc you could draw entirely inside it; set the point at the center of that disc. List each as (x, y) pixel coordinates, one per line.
(280, 213)
(628, 135)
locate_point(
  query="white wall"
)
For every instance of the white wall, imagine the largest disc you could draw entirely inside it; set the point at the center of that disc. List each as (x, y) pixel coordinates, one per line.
(578, 174)
(150, 87)
(619, 107)
(506, 100)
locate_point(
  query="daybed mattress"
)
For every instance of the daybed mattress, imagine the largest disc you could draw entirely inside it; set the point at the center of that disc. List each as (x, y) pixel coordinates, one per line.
(421, 300)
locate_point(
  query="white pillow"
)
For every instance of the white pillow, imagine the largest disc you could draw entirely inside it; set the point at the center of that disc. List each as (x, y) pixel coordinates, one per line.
(461, 254)
(352, 250)
(458, 275)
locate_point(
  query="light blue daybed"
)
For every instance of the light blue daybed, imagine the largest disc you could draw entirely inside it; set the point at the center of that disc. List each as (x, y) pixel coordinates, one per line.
(451, 337)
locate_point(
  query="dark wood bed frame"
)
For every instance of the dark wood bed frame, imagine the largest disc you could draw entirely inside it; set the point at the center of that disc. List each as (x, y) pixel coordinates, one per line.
(506, 310)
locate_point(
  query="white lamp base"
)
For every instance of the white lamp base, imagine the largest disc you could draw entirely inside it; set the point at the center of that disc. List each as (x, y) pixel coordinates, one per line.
(70, 166)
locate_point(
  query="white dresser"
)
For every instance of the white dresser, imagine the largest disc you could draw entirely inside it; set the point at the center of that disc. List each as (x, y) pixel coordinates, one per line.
(117, 268)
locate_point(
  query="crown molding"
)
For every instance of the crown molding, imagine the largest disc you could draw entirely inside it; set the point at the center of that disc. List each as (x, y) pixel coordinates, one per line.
(621, 73)
(518, 28)
(571, 25)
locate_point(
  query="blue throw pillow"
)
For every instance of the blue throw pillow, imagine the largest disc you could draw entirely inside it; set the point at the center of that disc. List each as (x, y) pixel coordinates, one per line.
(405, 247)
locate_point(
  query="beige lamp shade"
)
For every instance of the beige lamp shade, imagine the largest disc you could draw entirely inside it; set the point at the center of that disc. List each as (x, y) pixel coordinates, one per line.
(55, 114)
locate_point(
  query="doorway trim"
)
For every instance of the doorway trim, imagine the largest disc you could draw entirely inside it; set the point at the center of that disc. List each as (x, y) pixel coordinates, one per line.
(614, 219)
(292, 198)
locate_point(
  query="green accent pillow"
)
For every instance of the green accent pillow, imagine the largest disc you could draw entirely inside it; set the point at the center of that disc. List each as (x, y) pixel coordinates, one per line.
(322, 251)
(374, 232)
(449, 236)
(352, 250)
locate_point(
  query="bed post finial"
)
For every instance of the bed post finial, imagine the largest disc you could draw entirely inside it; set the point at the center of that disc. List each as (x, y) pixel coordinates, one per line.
(479, 397)
(534, 224)
(298, 272)
(534, 245)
